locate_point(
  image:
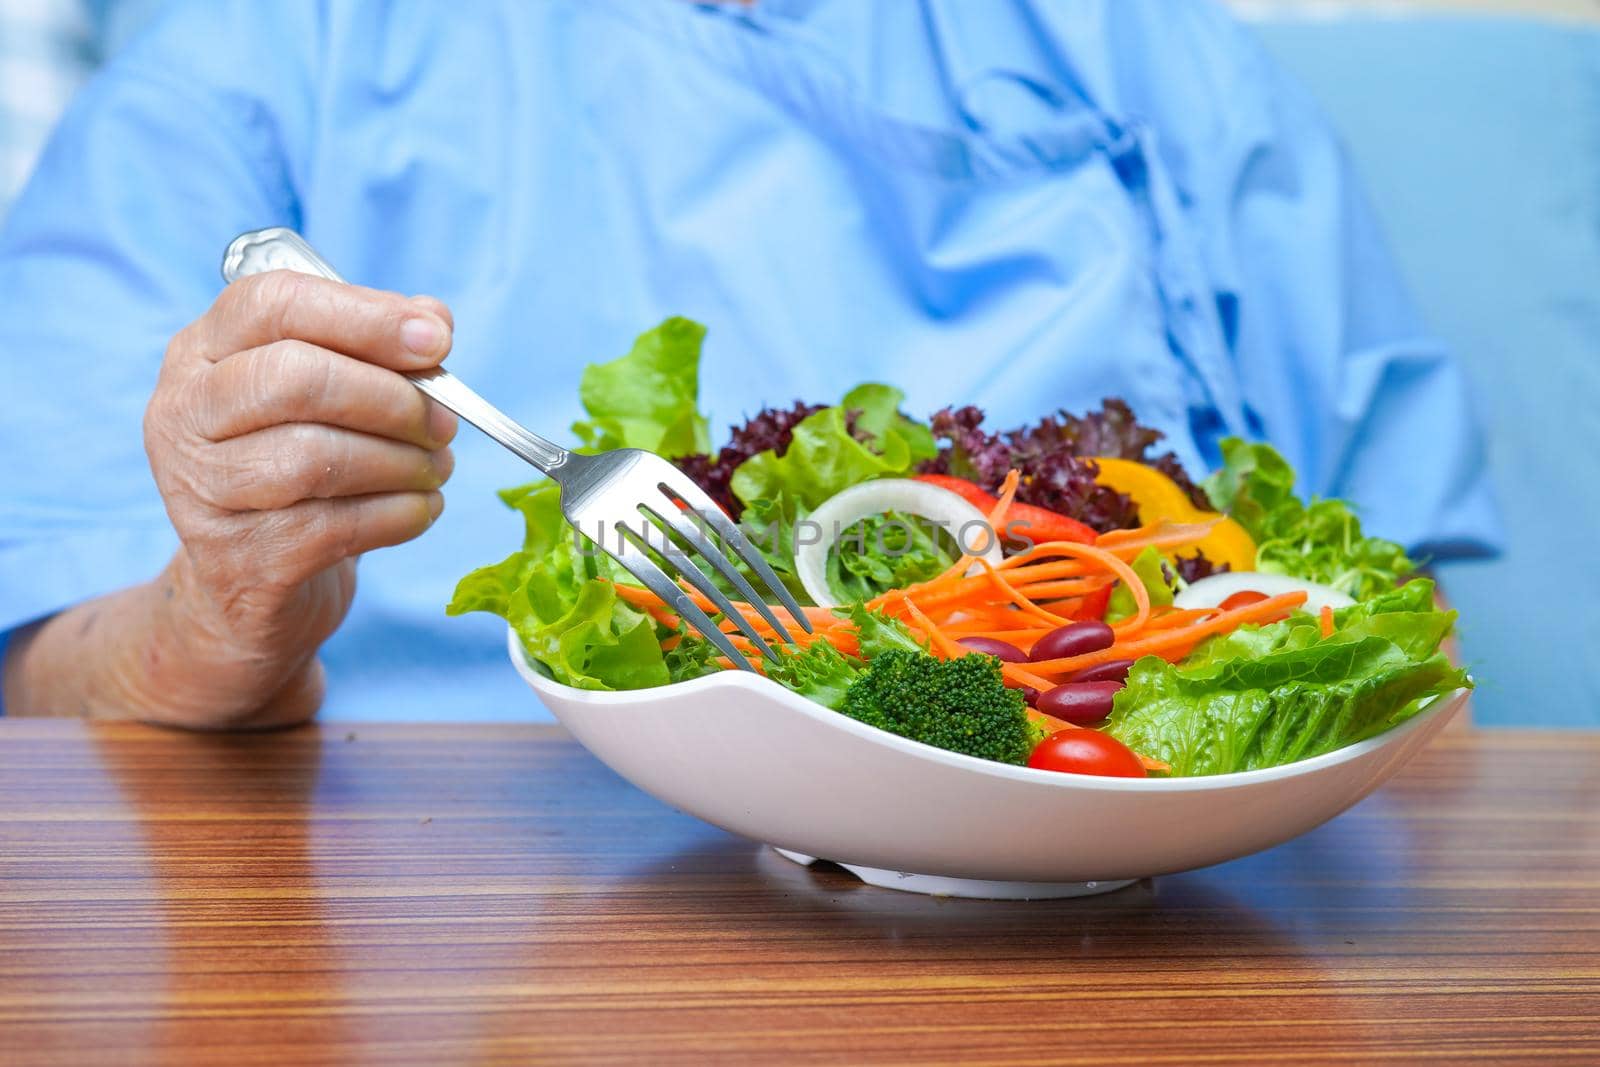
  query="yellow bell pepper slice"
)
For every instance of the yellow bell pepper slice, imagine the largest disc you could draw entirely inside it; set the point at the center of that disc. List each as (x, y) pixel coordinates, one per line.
(1155, 495)
(1158, 497)
(1228, 542)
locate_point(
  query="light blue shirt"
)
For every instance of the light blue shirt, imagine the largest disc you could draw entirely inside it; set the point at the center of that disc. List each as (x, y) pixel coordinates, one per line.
(1019, 205)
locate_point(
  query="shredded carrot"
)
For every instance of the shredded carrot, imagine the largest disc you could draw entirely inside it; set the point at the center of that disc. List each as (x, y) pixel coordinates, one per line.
(1130, 543)
(1015, 672)
(1109, 562)
(1178, 617)
(1221, 622)
(644, 598)
(938, 591)
(1008, 493)
(986, 628)
(1020, 600)
(1003, 617)
(950, 649)
(1018, 673)
(997, 514)
(941, 644)
(1048, 568)
(1011, 594)
(1069, 588)
(1125, 544)
(1068, 607)
(1325, 617)
(934, 592)
(1039, 555)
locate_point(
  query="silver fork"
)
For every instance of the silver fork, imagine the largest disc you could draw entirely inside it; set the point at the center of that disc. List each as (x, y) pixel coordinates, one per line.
(636, 494)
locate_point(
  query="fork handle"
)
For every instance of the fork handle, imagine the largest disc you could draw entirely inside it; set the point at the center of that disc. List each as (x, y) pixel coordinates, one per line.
(280, 248)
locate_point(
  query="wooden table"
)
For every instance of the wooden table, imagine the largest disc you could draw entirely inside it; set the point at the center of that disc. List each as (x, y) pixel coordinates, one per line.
(491, 894)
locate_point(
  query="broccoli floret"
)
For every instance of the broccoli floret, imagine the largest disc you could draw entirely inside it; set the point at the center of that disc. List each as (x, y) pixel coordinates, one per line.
(821, 673)
(960, 704)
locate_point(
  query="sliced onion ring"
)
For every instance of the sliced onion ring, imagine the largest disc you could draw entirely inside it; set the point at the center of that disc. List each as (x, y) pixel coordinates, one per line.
(967, 524)
(1211, 591)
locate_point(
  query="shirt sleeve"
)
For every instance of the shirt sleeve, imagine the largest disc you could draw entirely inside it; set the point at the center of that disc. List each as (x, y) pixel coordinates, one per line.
(1334, 365)
(111, 249)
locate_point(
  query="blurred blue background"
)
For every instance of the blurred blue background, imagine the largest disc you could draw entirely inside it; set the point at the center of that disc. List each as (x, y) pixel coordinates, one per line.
(1479, 139)
(1477, 128)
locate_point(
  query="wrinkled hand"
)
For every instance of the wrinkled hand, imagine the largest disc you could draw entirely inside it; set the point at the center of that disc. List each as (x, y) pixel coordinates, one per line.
(285, 443)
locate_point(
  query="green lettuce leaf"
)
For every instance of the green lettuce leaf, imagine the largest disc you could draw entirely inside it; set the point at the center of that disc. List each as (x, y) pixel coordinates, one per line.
(1322, 542)
(691, 657)
(567, 618)
(551, 591)
(883, 552)
(1269, 695)
(821, 672)
(1150, 566)
(824, 457)
(1253, 483)
(878, 633)
(770, 526)
(877, 414)
(648, 398)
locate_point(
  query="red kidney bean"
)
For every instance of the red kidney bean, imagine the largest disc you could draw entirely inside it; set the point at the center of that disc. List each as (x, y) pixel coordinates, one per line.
(1000, 650)
(1115, 671)
(1079, 703)
(1029, 694)
(1074, 639)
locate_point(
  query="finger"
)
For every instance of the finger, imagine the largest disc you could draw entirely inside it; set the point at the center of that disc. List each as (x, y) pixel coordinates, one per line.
(367, 324)
(437, 306)
(292, 381)
(295, 543)
(281, 465)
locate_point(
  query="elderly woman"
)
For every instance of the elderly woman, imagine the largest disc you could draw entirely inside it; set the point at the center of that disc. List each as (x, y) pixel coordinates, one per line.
(1019, 205)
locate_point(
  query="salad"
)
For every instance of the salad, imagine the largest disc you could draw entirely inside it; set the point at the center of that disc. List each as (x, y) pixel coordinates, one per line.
(1061, 595)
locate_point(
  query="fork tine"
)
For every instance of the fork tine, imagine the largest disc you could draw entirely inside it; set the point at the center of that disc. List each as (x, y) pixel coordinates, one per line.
(691, 531)
(692, 495)
(642, 567)
(708, 589)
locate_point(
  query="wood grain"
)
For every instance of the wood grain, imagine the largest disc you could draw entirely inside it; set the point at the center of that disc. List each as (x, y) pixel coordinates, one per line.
(491, 894)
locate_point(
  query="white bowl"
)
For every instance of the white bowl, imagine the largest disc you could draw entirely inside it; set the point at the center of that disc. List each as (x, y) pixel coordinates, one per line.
(747, 755)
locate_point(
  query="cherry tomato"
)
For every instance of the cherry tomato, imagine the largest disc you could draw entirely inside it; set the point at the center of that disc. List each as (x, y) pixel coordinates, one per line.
(1086, 752)
(1243, 598)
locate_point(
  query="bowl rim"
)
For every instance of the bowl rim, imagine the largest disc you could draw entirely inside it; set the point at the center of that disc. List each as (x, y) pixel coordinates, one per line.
(764, 687)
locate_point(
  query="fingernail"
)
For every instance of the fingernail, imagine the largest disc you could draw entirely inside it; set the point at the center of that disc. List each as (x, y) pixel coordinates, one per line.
(422, 336)
(435, 505)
